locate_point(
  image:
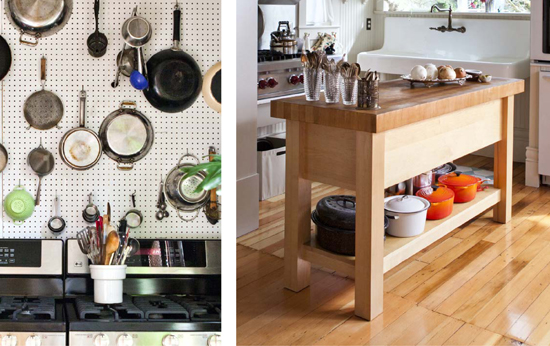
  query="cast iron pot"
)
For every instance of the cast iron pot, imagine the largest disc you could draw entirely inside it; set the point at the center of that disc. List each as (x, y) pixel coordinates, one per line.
(337, 211)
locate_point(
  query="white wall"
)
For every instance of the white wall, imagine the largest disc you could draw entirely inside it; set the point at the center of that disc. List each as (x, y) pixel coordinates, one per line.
(247, 178)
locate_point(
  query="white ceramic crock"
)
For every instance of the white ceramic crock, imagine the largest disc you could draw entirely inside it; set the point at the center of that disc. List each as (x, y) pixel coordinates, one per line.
(407, 215)
(108, 283)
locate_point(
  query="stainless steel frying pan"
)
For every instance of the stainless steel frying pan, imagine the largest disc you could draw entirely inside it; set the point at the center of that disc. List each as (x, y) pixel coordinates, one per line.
(38, 18)
(80, 148)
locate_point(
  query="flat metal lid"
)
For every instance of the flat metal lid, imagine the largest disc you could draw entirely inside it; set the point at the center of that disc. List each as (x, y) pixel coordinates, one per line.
(126, 135)
(38, 13)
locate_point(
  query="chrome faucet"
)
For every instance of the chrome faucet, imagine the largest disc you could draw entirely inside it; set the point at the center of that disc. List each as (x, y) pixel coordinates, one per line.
(448, 28)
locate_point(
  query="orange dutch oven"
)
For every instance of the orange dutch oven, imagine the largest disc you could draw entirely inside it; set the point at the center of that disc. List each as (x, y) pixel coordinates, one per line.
(464, 186)
(441, 199)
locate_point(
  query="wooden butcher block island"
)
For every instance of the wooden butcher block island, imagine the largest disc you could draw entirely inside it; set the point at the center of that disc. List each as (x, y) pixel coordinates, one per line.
(415, 131)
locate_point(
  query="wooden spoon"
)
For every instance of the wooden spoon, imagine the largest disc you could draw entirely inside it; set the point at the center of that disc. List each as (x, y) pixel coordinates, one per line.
(111, 245)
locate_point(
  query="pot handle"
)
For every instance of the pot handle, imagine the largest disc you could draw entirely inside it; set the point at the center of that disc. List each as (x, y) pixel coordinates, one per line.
(188, 220)
(18, 222)
(128, 105)
(189, 155)
(125, 167)
(392, 217)
(31, 43)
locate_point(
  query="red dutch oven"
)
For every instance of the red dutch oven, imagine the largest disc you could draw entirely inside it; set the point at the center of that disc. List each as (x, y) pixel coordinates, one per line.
(464, 186)
(441, 199)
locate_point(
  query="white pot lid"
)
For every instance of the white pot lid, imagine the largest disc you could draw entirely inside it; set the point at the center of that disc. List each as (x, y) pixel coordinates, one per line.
(406, 204)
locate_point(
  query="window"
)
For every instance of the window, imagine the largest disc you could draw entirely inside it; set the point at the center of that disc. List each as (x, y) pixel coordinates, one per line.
(319, 12)
(471, 6)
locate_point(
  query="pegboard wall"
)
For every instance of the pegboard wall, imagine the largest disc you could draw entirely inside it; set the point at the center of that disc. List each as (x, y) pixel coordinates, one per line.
(69, 68)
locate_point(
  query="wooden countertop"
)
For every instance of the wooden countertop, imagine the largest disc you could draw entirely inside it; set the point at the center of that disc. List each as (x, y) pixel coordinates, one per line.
(401, 104)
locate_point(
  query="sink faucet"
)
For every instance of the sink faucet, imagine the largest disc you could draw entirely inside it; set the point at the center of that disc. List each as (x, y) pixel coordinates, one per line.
(448, 28)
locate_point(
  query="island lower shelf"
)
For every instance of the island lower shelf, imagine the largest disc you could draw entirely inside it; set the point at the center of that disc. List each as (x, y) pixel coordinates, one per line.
(397, 250)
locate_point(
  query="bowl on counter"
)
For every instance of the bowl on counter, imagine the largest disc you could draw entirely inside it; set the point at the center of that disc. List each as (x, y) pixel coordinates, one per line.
(407, 215)
(441, 199)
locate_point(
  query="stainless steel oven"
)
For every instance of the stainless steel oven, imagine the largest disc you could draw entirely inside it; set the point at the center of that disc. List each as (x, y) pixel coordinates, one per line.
(540, 30)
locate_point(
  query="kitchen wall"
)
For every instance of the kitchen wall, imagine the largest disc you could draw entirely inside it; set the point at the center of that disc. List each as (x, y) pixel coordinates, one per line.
(69, 68)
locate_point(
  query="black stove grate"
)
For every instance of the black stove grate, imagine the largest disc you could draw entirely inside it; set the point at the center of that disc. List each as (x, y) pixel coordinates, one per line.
(201, 308)
(161, 308)
(27, 308)
(90, 311)
(268, 55)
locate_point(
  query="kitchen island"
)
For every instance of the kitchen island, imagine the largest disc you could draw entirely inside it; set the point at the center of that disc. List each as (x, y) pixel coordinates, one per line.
(416, 130)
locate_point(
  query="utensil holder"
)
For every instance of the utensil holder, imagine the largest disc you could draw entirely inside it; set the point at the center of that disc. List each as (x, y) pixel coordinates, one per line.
(313, 80)
(332, 87)
(368, 94)
(349, 90)
(108, 282)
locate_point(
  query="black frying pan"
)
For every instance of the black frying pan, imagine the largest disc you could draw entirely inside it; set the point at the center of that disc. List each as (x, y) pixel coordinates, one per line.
(175, 78)
(5, 58)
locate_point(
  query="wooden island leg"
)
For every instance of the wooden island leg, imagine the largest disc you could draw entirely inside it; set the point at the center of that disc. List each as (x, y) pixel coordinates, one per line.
(297, 210)
(504, 163)
(369, 228)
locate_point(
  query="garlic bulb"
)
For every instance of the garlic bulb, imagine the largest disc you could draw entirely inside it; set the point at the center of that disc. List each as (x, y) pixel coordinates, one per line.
(419, 73)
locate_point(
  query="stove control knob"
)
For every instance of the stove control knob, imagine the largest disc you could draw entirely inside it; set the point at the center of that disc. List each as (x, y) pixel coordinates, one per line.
(101, 340)
(214, 340)
(124, 340)
(170, 340)
(301, 78)
(9, 340)
(33, 340)
(294, 79)
(262, 84)
(272, 83)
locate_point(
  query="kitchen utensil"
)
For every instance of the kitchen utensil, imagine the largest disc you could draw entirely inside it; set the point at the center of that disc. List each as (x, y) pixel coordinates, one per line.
(43, 110)
(134, 217)
(442, 170)
(38, 18)
(126, 59)
(180, 190)
(97, 42)
(5, 58)
(42, 163)
(161, 203)
(441, 201)
(432, 82)
(283, 40)
(464, 186)
(337, 211)
(348, 89)
(175, 78)
(212, 87)
(19, 205)
(397, 189)
(475, 74)
(90, 214)
(407, 215)
(80, 148)
(136, 32)
(111, 245)
(84, 241)
(313, 81)
(132, 249)
(123, 236)
(108, 282)
(422, 181)
(56, 223)
(127, 135)
(3, 158)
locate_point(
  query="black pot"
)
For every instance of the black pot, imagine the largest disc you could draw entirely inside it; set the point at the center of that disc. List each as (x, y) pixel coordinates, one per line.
(337, 211)
(443, 169)
(337, 240)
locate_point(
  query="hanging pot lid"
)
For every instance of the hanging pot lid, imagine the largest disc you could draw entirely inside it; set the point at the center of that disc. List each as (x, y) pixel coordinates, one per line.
(406, 204)
(436, 194)
(458, 179)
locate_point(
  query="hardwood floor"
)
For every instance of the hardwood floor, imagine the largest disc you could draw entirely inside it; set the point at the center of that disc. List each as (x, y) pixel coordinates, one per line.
(483, 284)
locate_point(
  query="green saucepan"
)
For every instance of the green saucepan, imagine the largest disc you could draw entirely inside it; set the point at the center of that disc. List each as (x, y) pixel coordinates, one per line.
(19, 205)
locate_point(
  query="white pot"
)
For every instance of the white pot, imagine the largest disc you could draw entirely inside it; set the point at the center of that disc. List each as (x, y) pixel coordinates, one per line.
(407, 215)
(108, 283)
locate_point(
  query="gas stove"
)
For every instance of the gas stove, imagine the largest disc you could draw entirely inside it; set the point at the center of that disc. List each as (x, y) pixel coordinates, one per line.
(31, 293)
(176, 303)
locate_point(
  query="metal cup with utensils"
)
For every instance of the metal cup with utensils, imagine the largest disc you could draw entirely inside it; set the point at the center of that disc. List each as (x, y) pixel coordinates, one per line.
(56, 223)
(42, 163)
(90, 214)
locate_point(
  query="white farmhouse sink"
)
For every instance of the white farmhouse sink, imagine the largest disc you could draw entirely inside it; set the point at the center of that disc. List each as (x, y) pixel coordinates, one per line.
(496, 47)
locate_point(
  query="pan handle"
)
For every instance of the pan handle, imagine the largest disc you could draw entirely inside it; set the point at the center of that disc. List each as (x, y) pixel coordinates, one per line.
(196, 214)
(32, 43)
(82, 107)
(177, 26)
(38, 190)
(128, 105)
(125, 167)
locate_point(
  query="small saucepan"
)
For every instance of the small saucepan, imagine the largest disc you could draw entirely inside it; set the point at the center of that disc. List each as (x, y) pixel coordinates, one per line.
(464, 186)
(134, 217)
(407, 215)
(441, 199)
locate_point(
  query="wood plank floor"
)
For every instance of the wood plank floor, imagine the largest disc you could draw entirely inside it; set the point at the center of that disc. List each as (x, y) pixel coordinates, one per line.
(483, 284)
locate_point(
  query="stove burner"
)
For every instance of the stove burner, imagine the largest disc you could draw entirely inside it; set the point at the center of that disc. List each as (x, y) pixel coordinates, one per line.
(161, 308)
(201, 309)
(90, 311)
(268, 55)
(27, 309)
